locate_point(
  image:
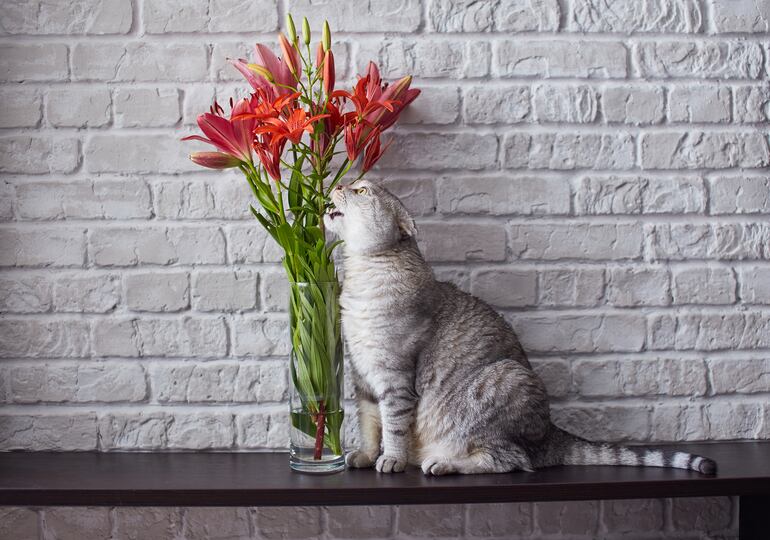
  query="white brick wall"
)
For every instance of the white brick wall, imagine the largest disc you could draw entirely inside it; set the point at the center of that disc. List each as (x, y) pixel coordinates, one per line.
(596, 169)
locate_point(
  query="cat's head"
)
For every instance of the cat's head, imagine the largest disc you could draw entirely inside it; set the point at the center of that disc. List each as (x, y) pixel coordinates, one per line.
(369, 218)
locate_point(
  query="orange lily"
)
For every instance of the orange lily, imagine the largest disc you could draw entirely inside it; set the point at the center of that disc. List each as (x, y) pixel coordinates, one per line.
(291, 127)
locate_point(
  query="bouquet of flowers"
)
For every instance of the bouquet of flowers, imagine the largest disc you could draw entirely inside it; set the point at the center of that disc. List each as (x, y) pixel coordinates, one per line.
(284, 139)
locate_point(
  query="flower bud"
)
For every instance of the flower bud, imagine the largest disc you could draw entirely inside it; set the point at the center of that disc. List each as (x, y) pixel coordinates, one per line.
(289, 55)
(261, 70)
(291, 29)
(319, 55)
(327, 37)
(214, 160)
(305, 31)
(328, 73)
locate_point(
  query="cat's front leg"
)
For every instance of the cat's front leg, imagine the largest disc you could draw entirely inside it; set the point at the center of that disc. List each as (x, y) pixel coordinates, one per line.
(397, 405)
(370, 430)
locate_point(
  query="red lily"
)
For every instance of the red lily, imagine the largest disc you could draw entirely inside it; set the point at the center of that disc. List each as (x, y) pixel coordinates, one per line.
(400, 95)
(231, 136)
(374, 152)
(291, 127)
(356, 138)
(328, 73)
(214, 160)
(270, 157)
(283, 81)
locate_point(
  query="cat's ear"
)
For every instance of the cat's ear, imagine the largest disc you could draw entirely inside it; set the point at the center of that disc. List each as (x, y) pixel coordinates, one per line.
(406, 225)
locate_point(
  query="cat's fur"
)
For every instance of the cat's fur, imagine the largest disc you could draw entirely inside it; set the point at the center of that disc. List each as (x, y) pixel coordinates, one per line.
(441, 379)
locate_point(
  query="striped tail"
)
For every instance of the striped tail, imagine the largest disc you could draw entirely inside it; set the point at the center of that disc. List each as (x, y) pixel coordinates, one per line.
(573, 450)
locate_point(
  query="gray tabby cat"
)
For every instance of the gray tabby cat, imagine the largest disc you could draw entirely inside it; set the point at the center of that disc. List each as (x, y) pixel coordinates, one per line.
(441, 379)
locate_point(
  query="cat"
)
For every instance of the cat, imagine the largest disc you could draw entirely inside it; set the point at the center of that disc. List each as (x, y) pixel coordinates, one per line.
(441, 379)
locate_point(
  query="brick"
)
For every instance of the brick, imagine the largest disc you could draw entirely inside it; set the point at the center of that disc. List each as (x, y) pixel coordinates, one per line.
(182, 337)
(478, 55)
(555, 374)
(640, 377)
(608, 423)
(217, 523)
(253, 336)
(571, 287)
(417, 194)
(359, 521)
(503, 196)
(566, 104)
(143, 154)
(755, 285)
(44, 338)
(573, 517)
(7, 200)
(86, 293)
(409, 151)
(274, 294)
(705, 285)
(741, 375)
(701, 103)
(635, 105)
(68, 432)
(136, 523)
(492, 104)
(25, 293)
(704, 59)
(196, 101)
(39, 155)
(499, 519)
(695, 150)
(248, 244)
(609, 195)
(730, 421)
(525, 16)
(76, 522)
(209, 16)
(751, 104)
(224, 291)
(720, 241)
(581, 333)
(424, 59)
(21, 107)
(100, 199)
(140, 61)
(166, 431)
(678, 195)
(42, 383)
(556, 241)
(701, 514)
(505, 289)
(131, 246)
(454, 242)
(240, 382)
(219, 198)
(582, 59)
(155, 291)
(21, 62)
(627, 16)
(289, 522)
(111, 381)
(728, 331)
(269, 430)
(461, 16)
(78, 107)
(76, 17)
(740, 16)
(62, 246)
(634, 286)
(404, 16)
(566, 151)
(679, 423)
(436, 105)
(147, 107)
(633, 515)
(740, 194)
(19, 523)
(430, 521)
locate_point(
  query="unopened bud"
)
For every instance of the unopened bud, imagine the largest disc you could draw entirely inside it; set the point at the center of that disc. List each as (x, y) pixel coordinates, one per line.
(290, 28)
(305, 31)
(327, 36)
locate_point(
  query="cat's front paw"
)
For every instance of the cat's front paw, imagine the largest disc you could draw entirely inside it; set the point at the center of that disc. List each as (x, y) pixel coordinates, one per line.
(436, 466)
(389, 464)
(359, 460)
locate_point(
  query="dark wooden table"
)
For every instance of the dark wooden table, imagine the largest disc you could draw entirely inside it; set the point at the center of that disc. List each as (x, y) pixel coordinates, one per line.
(264, 479)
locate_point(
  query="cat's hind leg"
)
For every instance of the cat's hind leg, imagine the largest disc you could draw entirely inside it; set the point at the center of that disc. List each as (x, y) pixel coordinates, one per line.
(512, 458)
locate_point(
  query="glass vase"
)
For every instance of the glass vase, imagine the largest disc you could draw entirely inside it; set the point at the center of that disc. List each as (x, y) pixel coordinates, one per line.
(315, 397)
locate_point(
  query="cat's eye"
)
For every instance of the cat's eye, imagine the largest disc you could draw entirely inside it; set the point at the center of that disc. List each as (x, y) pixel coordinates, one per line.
(362, 191)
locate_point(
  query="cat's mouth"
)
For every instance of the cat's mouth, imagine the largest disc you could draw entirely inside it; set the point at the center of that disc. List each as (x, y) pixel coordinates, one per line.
(334, 214)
